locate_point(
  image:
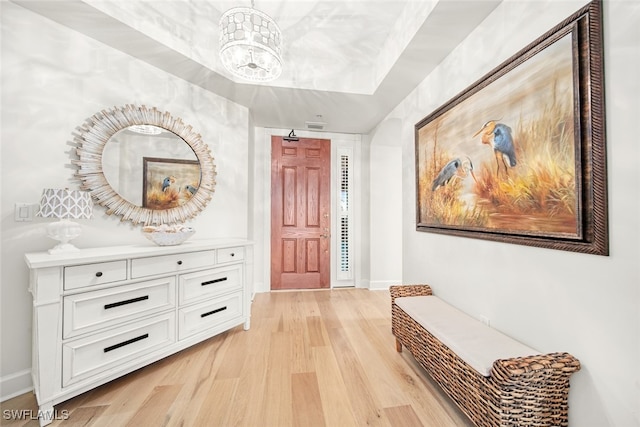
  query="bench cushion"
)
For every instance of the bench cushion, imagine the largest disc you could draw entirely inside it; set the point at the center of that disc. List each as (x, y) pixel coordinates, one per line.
(473, 341)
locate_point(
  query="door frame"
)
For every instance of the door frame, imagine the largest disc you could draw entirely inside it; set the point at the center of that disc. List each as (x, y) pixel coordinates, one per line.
(260, 232)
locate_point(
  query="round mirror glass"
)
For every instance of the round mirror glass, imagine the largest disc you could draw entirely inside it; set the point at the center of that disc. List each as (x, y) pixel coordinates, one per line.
(151, 167)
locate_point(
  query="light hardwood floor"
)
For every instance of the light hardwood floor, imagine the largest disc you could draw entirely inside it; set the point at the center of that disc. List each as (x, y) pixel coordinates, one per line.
(311, 358)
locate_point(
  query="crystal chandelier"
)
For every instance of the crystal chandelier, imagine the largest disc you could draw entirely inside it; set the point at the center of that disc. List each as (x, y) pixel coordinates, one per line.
(250, 44)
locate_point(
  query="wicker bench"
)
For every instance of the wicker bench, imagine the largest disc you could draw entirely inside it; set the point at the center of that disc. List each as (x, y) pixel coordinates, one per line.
(514, 391)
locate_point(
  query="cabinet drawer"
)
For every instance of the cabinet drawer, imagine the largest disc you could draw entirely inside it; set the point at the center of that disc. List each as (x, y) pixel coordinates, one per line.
(230, 254)
(209, 314)
(90, 311)
(142, 267)
(209, 283)
(79, 276)
(116, 348)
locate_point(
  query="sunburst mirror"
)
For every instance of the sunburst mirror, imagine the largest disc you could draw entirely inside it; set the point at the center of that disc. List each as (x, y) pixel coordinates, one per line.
(144, 165)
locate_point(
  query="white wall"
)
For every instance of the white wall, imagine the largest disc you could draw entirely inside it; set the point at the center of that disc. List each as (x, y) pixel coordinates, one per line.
(551, 300)
(385, 178)
(52, 80)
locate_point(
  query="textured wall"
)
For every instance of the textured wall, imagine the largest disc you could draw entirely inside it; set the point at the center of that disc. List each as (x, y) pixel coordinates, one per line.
(551, 300)
(52, 80)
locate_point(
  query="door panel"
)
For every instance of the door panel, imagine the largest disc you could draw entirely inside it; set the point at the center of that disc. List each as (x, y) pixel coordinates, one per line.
(300, 213)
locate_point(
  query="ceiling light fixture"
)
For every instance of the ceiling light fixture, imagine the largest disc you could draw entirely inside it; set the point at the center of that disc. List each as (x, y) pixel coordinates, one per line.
(250, 44)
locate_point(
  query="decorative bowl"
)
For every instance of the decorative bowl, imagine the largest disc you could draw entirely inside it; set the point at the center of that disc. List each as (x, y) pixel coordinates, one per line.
(165, 235)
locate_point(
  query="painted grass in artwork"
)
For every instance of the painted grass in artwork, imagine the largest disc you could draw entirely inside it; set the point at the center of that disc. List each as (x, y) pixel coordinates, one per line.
(157, 199)
(543, 183)
(448, 208)
(445, 205)
(539, 194)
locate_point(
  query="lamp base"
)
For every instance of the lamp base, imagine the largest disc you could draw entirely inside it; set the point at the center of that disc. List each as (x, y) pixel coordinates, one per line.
(62, 248)
(63, 231)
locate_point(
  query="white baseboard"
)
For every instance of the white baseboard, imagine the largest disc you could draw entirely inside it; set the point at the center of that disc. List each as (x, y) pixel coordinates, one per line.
(260, 287)
(363, 284)
(15, 384)
(379, 285)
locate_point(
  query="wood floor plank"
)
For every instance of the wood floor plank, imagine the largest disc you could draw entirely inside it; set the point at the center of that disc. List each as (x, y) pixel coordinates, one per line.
(154, 410)
(326, 307)
(317, 334)
(335, 400)
(324, 358)
(403, 416)
(301, 357)
(253, 378)
(215, 409)
(306, 400)
(380, 374)
(429, 401)
(84, 416)
(20, 411)
(275, 400)
(129, 398)
(198, 382)
(232, 363)
(366, 409)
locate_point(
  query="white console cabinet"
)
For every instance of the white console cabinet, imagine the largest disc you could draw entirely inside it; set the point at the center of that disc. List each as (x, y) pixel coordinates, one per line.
(101, 313)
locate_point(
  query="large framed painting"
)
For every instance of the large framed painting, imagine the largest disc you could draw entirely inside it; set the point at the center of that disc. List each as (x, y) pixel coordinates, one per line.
(519, 156)
(168, 183)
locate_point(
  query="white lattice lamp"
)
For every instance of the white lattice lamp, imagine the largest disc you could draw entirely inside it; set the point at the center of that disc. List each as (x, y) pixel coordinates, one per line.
(64, 204)
(250, 44)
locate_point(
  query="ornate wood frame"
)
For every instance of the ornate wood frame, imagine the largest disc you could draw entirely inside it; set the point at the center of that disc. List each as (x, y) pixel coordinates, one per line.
(591, 227)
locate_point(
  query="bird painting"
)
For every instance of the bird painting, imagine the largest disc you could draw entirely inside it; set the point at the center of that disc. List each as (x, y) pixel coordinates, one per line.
(499, 136)
(167, 182)
(456, 168)
(191, 189)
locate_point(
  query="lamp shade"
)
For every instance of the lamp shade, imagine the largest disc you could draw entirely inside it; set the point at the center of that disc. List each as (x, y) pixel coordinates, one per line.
(250, 44)
(65, 204)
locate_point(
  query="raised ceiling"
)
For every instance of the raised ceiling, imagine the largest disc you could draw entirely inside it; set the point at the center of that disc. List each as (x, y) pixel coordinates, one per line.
(346, 63)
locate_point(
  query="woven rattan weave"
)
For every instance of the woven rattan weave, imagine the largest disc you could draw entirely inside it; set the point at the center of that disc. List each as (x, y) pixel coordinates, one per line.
(524, 391)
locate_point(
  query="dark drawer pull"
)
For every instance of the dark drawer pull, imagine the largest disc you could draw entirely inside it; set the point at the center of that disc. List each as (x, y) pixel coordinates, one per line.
(99, 274)
(179, 262)
(232, 254)
(217, 310)
(127, 342)
(222, 279)
(125, 302)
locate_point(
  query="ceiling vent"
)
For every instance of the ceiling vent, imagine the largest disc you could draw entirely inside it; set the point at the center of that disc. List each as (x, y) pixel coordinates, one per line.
(315, 125)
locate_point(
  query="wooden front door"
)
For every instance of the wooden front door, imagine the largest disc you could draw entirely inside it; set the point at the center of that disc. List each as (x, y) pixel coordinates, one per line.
(300, 213)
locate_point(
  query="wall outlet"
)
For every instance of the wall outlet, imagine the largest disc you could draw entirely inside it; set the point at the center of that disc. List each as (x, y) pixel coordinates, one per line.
(485, 320)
